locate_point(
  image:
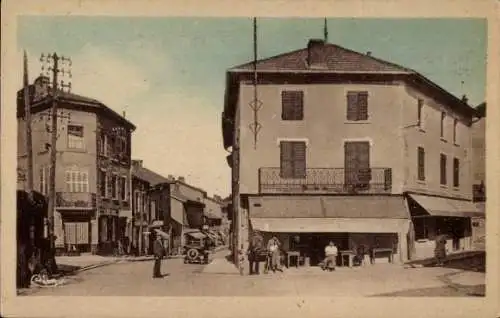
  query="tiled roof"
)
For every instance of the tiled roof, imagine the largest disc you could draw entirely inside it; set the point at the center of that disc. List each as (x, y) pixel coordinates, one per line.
(335, 57)
(147, 175)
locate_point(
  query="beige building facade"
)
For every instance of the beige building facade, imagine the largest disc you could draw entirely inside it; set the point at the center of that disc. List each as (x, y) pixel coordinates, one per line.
(348, 148)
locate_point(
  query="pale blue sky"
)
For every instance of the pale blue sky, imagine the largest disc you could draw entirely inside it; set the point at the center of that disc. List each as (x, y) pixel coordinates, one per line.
(168, 73)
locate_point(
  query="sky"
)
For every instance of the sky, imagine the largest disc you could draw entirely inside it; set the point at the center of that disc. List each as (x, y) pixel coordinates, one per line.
(168, 73)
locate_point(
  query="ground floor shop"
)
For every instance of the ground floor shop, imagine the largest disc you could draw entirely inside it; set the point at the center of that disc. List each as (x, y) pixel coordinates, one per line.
(393, 227)
(432, 216)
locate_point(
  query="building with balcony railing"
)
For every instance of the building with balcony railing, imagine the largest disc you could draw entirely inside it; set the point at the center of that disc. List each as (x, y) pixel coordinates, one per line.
(343, 146)
(93, 209)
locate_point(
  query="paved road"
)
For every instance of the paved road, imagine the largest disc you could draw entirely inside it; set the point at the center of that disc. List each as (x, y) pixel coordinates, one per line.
(135, 279)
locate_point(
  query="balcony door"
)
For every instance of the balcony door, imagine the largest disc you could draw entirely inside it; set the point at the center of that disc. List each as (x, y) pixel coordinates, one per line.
(357, 164)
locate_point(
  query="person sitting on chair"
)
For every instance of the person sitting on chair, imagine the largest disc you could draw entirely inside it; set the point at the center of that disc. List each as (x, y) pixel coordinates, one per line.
(331, 252)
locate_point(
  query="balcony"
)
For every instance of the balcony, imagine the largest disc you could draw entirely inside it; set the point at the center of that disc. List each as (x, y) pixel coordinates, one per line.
(327, 181)
(75, 200)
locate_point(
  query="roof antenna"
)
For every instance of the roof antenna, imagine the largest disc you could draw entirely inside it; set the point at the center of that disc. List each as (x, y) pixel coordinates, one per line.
(325, 31)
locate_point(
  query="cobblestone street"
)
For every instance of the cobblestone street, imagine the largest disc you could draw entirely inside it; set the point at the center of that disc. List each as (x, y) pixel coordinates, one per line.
(134, 279)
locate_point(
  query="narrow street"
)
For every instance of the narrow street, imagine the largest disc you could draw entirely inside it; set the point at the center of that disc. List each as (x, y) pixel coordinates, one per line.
(134, 279)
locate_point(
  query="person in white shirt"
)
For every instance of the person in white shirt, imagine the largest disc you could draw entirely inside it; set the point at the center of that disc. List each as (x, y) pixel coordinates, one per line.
(331, 252)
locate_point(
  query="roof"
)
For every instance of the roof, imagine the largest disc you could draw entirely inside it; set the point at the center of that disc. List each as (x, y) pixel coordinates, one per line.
(336, 58)
(72, 99)
(147, 175)
(328, 207)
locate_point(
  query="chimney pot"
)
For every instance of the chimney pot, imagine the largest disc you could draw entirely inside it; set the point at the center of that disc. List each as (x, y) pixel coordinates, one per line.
(315, 56)
(369, 53)
(181, 179)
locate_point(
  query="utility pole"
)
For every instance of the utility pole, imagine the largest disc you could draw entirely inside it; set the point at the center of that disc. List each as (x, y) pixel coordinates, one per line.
(55, 69)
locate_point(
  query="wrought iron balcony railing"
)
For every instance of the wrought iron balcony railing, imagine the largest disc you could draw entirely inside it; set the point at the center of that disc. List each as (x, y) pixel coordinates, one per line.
(73, 200)
(327, 180)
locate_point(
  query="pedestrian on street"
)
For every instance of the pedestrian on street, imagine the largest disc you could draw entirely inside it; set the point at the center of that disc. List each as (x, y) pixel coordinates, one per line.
(440, 249)
(159, 252)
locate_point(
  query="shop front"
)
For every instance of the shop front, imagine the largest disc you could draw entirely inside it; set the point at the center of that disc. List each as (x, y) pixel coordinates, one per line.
(432, 216)
(357, 225)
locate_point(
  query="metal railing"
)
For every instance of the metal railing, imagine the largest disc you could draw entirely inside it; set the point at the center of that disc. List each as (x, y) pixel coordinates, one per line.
(84, 200)
(326, 180)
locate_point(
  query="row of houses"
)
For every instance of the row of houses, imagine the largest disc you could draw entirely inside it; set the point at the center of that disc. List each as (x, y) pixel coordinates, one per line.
(102, 195)
(347, 147)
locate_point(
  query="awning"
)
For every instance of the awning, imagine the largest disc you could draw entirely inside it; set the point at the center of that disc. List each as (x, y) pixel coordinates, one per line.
(437, 206)
(162, 234)
(329, 225)
(196, 235)
(383, 207)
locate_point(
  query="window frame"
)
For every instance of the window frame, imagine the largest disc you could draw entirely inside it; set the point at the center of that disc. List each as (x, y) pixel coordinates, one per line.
(359, 116)
(71, 139)
(287, 112)
(443, 169)
(293, 160)
(78, 181)
(456, 172)
(420, 108)
(442, 125)
(420, 163)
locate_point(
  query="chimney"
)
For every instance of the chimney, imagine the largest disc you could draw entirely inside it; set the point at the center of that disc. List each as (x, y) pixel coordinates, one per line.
(124, 114)
(181, 179)
(465, 99)
(369, 53)
(316, 58)
(137, 163)
(170, 177)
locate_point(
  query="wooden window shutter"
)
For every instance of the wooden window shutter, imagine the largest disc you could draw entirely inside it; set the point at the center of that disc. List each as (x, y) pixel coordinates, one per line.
(286, 159)
(362, 106)
(292, 103)
(443, 169)
(352, 102)
(299, 159)
(421, 164)
(456, 172)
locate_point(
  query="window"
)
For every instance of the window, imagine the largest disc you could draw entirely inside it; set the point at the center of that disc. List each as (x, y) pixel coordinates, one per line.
(357, 106)
(75, 137)
(443, 118)
(44, 180)
(77, 181)
(153, 210)
(420, 107)
(455, 124)
(443, 169)
(104, 145)
(357, 163)
(293, 159)
(114, 186)
(456, 172)
(292, 103)
(102, 183)
(124, 188)
(421, 164)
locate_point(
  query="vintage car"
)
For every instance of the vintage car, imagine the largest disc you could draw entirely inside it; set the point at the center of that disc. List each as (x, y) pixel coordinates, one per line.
(197, 248)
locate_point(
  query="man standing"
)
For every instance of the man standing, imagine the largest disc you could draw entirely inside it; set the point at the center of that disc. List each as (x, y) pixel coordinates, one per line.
(159, 252)
(331, 252)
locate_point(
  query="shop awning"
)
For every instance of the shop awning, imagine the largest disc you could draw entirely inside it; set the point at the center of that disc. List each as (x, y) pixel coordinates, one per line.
(196, 235)
(329, 225)
(445, 207)
(162, 234)
(383, 207)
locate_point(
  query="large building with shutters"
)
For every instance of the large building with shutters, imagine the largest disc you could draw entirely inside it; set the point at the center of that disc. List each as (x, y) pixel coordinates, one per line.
(343, 146)
(93, 209)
